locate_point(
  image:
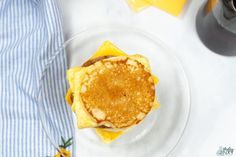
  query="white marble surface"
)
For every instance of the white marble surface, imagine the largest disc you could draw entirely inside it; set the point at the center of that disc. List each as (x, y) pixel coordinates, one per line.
(212, 77)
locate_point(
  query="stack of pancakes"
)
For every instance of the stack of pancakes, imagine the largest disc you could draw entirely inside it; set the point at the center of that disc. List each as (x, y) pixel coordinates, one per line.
(111, 91)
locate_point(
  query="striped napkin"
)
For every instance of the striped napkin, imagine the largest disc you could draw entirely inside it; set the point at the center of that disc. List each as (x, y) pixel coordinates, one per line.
(32, 77)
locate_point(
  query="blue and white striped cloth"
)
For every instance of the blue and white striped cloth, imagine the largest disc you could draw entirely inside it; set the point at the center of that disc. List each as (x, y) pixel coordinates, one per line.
(30, 33)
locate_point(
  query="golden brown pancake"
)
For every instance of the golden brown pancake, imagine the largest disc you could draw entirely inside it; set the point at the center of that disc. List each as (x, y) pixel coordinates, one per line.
(118, 91)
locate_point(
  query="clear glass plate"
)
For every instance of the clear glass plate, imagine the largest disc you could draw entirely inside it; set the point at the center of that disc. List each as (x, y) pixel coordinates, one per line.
(161, 130)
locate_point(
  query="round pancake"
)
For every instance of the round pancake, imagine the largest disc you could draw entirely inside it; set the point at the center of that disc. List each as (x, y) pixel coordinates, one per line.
(117, 90)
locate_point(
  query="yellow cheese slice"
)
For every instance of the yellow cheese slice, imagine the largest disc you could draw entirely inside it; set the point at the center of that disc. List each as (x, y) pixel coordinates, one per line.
(173, 7)
(156, 105)
(74, 75)
(70, 76)
(108, 136)
(108, 49)
(69, 95)
(155, 79)
(138, 5)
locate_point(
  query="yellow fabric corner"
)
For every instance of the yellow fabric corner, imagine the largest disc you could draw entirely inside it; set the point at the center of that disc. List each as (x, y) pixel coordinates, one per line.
(108, 136)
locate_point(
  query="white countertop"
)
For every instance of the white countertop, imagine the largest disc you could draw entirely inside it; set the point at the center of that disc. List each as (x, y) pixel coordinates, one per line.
(212, 77)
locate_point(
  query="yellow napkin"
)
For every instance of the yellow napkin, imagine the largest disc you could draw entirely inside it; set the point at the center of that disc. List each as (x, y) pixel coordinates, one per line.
(173, 7)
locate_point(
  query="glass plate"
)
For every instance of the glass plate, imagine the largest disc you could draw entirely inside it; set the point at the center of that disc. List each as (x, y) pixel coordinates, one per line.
(162, 129)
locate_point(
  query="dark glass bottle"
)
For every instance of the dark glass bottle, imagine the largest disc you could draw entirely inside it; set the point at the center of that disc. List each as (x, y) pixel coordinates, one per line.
(216, 26)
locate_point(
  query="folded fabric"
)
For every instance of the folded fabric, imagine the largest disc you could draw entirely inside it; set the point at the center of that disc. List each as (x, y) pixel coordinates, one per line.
(32, 77)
